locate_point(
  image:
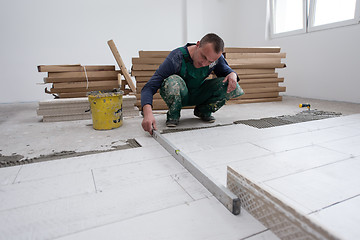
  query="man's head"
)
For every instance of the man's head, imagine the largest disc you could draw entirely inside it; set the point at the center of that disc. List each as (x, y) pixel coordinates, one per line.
(208, 50)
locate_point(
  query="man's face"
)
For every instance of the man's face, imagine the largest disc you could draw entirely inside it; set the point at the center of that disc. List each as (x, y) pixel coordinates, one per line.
(204, 55)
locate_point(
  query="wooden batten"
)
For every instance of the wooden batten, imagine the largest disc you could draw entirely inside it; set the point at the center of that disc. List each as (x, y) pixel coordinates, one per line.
(231, 55)
(151, 61)
(252, 50)
(74, 68)
(153, 54)
(83, 75)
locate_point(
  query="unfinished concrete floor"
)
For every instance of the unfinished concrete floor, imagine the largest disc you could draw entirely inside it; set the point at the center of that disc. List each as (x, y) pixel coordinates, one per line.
(136, 193)
(25, 136)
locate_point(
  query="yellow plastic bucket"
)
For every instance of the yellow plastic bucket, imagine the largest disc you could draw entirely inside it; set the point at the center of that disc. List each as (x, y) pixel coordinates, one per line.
(106, 109)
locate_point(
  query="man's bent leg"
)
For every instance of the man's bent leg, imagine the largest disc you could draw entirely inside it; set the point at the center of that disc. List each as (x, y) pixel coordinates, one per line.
(175, 93)
(214, 96)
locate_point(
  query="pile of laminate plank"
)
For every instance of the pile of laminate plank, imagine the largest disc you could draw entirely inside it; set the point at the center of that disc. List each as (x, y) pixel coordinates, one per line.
(69, 109)
(255, 67)
(72, 81)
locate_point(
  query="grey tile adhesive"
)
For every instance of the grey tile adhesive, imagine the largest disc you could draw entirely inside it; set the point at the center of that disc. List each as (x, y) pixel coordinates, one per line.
(304, 116)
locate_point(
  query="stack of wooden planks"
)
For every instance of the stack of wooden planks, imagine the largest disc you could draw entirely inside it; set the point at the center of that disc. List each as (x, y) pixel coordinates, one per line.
(69, 109)
(255, 67)
(143, 67)
(73, 81)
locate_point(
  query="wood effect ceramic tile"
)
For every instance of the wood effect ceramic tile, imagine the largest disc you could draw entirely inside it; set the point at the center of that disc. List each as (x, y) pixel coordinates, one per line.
(77, 164)
(147, 141)
(284, 143)
(203, 219)
(53, 219)
(191, 185)
(227, 154)
(321, 187)
(35, 192)
(349, 213)
(127, 174)
(328, 122)
(8, 174)
(347, 145)
(285, 163)
(266, 235)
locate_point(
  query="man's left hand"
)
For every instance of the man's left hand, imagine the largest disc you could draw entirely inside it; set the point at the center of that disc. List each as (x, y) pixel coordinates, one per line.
(231, 78)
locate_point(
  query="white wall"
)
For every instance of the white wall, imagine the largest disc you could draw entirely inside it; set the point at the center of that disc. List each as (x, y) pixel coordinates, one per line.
(322, 65)
(69, 32)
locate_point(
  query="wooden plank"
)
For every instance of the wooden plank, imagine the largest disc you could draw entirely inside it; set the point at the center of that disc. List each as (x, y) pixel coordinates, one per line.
(43, 68)
(144, 67)
(260, 80)
(252, 50)
(82, 75)
(71, 90)
(248, 61)
(257, 100)
(142, 73)
(246, 86)
(254, 55)
(74, 68)
(253, 76)
(63, 80)
(254, 71)
(81, 94)
(153, 61)
(258, 95)
(85, 84)
(153, 54)
(265, 90)
(142, 79)
(234, 64)
(121, 65)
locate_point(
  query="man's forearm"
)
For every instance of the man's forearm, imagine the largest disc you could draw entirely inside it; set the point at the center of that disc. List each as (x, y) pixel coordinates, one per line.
(147, 110)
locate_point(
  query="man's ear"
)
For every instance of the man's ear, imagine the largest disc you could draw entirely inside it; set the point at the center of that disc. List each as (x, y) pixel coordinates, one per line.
(198, 44)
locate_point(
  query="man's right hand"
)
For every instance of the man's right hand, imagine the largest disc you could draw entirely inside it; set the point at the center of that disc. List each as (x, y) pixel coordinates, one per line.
(148, 123)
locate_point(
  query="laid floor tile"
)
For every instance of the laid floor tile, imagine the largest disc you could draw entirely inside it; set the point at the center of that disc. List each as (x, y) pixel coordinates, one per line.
(342, 218)
(321, 187)
(225, 155)
(76, 164)
(347, 145)
(8, 174)
(35, 192)
(284, 143)
(203, 219)
(52, 219)
(266, 235)
(191, 185)
(127, 174)
(285, 163)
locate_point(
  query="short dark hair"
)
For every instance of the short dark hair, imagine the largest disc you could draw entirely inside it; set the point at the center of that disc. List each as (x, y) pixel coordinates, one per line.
(217, 42)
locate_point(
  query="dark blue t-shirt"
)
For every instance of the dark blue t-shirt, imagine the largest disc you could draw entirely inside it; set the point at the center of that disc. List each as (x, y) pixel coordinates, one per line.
(172, 65)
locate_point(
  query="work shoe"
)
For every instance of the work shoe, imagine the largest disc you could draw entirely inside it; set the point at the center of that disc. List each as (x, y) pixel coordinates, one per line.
(209, 118)
(172, 122)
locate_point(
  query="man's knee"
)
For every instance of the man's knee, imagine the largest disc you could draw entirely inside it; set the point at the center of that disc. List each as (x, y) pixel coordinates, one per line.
(172, 85)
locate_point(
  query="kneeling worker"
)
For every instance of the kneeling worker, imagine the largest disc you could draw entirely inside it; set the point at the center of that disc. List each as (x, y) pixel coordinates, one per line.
(182, 81)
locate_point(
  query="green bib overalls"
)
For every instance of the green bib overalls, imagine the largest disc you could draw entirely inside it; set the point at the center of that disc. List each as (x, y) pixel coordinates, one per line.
(191, 88)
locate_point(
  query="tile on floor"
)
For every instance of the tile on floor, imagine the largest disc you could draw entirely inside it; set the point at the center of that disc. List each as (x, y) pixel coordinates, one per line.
(203, 219)
(321, 187)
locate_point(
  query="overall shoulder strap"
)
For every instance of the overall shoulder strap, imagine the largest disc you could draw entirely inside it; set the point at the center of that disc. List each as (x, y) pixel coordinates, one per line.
(185, 54)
